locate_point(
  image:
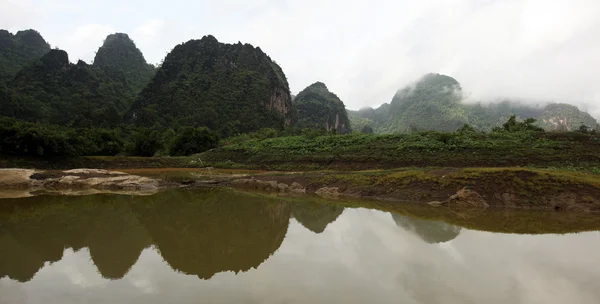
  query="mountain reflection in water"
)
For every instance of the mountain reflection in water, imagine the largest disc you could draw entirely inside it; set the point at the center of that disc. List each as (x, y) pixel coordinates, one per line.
(223, 246)
(196, 233)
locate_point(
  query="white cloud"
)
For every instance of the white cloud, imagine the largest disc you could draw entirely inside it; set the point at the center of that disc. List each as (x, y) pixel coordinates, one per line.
(150, 28)
(85, 41)
(16, 14)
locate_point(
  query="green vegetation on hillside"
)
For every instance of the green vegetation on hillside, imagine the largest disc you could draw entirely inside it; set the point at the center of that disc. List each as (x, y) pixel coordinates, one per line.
(316, 107)
(54, 91)
(564, 117)
(120, 57)
(433, 103)
(19, 50)
(230, 88)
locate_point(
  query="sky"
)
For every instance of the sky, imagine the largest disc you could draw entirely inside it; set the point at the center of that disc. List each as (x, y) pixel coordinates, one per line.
(536, 51)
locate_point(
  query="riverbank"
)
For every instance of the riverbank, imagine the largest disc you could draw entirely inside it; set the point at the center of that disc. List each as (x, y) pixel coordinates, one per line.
(454, 188)
(519, 188)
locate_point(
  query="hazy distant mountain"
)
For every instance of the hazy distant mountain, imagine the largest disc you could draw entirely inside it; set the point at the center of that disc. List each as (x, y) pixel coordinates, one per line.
(560, 116)
(317, 107)
(19, 50)
(435, 103)
(119, 55)
(432, 103)
(227, 87)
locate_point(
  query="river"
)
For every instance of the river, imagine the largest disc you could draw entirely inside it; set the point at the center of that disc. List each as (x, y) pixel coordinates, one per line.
(222, 246)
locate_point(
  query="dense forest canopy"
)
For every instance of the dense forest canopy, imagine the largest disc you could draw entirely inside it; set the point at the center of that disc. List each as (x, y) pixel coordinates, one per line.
(119, 55)
(232, 88)
(316, 107)
(52, 90)
(19, 50)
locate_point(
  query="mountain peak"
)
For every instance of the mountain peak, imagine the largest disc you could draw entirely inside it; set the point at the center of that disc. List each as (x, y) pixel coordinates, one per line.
(317, 107)
(32, 38)
(209, 38)
(437, 79)
(119, 55)
(118, 50)
(19, 50)
(318, 85)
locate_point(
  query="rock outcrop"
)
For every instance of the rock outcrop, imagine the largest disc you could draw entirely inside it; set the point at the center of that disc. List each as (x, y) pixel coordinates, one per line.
(466, 198)
(328, 192)
(268, 186)
(75, 182)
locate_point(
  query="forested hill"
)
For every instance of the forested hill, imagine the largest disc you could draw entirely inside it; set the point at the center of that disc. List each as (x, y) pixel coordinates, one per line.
(432, 103)
(232, 88)
(53, 90)
(18, 50)
(316, 107)
(436, 102)
(565, 117)
(119, 55)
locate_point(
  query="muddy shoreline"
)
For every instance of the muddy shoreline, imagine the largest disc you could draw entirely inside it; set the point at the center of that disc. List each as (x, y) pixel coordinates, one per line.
(455, 188)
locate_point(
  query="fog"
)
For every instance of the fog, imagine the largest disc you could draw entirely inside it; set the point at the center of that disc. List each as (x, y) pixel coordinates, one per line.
(532, 50)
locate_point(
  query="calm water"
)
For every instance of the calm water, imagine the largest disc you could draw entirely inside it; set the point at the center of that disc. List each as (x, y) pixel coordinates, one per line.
(218, 246)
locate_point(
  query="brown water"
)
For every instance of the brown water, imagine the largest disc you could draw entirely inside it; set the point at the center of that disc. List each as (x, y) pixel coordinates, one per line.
(220, 246)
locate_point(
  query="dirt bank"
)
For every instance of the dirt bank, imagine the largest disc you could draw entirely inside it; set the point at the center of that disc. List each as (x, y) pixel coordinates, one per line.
(456, 188)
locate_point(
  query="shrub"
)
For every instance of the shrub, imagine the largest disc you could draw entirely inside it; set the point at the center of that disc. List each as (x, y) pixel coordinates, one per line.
(194, 140)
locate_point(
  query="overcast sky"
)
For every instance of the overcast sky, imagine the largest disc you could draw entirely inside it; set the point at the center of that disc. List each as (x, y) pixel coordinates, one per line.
(364, 50)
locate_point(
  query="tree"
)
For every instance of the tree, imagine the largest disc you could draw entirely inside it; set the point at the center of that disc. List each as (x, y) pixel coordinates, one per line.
(512, 125)
(146, 142)
(194, 140)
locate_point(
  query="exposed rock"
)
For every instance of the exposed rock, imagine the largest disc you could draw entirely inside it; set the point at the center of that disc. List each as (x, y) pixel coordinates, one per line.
(283, 188)
(466, 198)
(119, 182)
(328, 192)
(76, 181)
(297, 188)
(268, 186)
(15, 178)
(435, 203)
(93, 171)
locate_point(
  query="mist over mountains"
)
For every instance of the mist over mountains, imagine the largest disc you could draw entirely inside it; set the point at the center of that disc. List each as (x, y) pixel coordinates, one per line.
(229, 88)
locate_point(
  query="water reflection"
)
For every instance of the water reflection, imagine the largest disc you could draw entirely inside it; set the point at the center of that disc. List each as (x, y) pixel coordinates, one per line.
(196, 233)
(219, 246)
(316, 216)
(429, 231)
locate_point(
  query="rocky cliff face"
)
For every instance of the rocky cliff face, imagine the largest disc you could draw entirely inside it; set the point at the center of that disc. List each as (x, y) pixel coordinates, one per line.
(227, 87)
